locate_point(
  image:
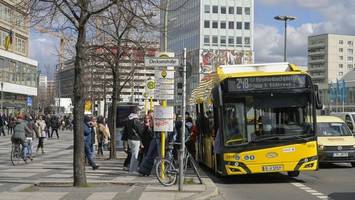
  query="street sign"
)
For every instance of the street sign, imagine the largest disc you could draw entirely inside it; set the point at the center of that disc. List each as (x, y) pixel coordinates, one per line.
(153, 61)
(29, 101)
(165, 86)
(164, 74)
(163, 118)
(151, 84)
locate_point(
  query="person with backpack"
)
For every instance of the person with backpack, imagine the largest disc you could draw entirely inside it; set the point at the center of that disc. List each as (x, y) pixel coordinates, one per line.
(134, 130)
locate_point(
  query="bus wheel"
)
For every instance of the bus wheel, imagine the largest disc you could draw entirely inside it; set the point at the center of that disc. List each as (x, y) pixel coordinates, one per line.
(293, 173)
(353, 164)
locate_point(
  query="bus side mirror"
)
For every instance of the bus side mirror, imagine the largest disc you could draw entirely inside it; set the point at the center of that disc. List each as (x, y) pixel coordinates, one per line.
(318, 102)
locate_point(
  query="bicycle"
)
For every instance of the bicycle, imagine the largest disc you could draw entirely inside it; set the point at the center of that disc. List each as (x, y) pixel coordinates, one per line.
(169, 177)
(17, 153)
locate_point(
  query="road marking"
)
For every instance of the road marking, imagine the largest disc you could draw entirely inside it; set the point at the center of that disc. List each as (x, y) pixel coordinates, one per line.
(310, 191)
(102, 195)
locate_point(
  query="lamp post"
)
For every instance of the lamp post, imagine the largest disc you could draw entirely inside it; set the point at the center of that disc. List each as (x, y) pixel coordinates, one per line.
(2, 97)
(285, 19)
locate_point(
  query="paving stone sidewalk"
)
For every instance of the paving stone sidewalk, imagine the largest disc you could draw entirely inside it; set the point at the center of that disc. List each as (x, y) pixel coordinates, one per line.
(50, 177)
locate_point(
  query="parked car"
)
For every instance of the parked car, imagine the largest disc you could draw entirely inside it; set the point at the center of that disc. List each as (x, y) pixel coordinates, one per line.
(348, 117)
(336, 143)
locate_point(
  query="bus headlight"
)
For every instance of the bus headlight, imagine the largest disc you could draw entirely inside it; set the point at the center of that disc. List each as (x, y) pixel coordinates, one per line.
(237, 157)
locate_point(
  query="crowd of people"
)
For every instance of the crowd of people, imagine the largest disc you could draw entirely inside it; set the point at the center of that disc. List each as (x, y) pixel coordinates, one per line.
(142, 144)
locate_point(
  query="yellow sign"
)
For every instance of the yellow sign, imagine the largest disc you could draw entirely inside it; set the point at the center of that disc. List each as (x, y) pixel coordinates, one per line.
(164, 73)
(7, 42)
(151, 84)
(88, 106)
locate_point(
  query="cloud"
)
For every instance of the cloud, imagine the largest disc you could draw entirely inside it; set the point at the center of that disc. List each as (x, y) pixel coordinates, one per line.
(43, 48)
(337, 17)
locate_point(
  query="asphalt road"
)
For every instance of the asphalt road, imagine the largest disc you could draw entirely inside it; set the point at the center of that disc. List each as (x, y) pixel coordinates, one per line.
(332, 181)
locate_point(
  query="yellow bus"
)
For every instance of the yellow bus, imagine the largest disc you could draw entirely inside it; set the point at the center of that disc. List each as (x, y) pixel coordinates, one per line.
(257, 118)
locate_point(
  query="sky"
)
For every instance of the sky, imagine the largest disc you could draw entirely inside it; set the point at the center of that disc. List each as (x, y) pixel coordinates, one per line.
(312, 17)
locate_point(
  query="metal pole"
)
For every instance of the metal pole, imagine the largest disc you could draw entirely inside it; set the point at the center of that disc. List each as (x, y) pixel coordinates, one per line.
(166, 26)
(2, 97)
(182, 139)
(285, 45)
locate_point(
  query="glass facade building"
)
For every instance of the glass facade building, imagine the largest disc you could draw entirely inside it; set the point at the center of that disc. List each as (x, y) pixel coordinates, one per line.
(18, 73)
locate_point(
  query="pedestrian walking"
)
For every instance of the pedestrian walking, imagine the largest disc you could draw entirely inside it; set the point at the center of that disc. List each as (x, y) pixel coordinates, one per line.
(2, 124)
(88, 126)
(41, 130)
(55, 125)
(134, 131)
(11, 125)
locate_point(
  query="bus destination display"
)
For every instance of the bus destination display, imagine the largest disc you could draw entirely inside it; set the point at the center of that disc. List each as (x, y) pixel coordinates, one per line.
(266, 83)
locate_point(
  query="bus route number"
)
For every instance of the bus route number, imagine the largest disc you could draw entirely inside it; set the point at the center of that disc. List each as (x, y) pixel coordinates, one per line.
(242, 84)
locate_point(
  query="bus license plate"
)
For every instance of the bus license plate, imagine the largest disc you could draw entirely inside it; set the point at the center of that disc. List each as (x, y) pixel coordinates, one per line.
(340, 154)
(272, 168)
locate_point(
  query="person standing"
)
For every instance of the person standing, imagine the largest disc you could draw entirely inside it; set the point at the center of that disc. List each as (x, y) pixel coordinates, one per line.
(147, 136)
(88, 126)
(54, 125)
(41, 129)
(103, 135)
(134, 130)
(11, 125)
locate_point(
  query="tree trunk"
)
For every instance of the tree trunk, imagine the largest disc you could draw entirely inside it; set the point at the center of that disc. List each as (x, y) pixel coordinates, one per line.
(113, 114)
(79, 155)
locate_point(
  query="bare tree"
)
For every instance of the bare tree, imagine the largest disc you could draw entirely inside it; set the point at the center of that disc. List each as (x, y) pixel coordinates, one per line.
(75, 15)
(126, 28)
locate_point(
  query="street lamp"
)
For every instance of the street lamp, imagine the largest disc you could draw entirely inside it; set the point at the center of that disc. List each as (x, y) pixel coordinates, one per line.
(285, 19)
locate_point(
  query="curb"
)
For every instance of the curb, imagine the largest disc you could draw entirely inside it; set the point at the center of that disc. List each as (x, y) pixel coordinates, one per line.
(211, 191)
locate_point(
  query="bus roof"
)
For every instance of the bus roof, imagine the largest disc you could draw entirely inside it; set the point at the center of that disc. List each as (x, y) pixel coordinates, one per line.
(202, 91)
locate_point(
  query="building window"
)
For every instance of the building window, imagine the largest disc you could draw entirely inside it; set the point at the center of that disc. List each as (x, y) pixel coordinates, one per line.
(231, 41)
(247, 40)
(239, 41)
(206, 40)
(207, 9)
(341, 42)
(340, 73)
(350, 58)
(223, 41)
(223, 10)
(239, 10)
(341, 66)
(20, 45)
(341, 58)
(214, 40)
(214, 9)
(239, 25)
(207, 24)
(340, 50)
(223, 25)
(231, 25)
(350, 66)
(247, 10)
(247, 25)
(231, 10)
(350, 51)
(214, 24)
(350, 43)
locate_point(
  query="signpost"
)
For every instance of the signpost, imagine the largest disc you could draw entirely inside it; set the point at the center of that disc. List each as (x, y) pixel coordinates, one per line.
(163, 118)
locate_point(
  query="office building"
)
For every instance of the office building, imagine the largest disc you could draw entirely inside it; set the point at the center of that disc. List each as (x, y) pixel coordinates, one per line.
(98, 78)
(330, 57)
(215, 32)
(18, 73)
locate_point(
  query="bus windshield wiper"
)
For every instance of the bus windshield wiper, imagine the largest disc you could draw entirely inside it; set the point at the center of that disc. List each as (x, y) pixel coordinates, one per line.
(266, 139)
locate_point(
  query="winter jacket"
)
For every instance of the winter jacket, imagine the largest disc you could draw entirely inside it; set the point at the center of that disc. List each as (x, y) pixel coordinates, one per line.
(41, 127)
(87, 134)
(20, 131)
(134, 128)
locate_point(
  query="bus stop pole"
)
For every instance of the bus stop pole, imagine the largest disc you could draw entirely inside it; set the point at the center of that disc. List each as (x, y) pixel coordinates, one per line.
(182, 136)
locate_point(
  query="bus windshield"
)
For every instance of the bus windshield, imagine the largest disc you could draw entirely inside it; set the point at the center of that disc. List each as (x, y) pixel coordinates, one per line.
(259, 118)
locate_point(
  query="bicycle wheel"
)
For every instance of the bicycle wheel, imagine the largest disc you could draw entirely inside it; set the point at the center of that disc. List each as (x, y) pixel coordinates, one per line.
(168, 177)
(16, 154)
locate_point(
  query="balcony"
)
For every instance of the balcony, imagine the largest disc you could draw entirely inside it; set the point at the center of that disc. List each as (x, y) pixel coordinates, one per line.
(316, 61)
(318, 45)
(316, 53)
